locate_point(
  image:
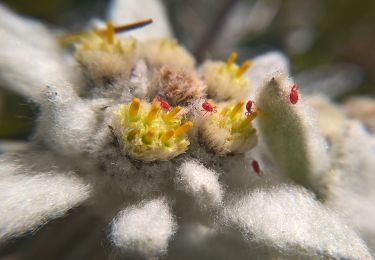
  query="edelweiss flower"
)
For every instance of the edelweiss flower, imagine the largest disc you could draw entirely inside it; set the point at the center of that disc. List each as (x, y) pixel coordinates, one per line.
(217, 162)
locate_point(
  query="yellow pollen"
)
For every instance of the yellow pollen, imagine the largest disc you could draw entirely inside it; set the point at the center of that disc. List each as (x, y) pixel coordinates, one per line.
(153, 112)
(110, 31)
(183, 129)
(172, 114)
(132, 134)
(149, 136)
(237, 108)
(244, 67)
(134, 108)
(168, 135)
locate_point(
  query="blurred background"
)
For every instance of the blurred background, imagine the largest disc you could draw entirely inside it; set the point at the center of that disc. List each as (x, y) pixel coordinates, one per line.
(330, 45)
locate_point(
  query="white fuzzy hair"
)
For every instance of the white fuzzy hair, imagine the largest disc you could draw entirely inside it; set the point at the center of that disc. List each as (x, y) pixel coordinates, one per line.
(144, 229)
(291, 133)
(33, 190)
(290, 219)
(202, 183)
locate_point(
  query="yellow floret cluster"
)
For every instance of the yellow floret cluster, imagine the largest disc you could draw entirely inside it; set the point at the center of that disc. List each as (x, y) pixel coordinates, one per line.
(225, 80)
(147, 132)
(229, 130)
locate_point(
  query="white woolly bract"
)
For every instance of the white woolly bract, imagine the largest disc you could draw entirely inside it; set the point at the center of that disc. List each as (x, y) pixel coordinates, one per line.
(221, 84)
(166, 51)
(22, 28)
(125, 11)
(67, 124)
(291, 132)
(350, 186)
(16, 59)
(34, 190)
(292, 220)
(200, 182)
(144, 229)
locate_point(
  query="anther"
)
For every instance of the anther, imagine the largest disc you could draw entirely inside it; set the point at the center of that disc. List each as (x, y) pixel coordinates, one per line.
(237, 108)
(134, 108)
(149, 136)
(183, 129)
(244, 67)
(172, 114)
(232, 58)
(110, 31)
(167, 136)
(153, 112)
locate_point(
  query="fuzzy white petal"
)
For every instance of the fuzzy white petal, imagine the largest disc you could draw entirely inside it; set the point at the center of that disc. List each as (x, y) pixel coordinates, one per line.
(128, 11)
(33, 190)
(200, 182)
(291, 133)
(351, 183)
(27, 69)
(25, 29)
(144, 229)
(293, 221)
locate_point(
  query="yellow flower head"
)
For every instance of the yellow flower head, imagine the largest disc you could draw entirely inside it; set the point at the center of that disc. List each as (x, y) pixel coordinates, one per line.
(229, 130)
(225, 80)
(147, 132)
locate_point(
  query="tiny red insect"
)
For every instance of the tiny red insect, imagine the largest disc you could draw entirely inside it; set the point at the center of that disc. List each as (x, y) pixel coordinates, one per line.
(256, 167)
(293, 96)
(164, 104)
(249, 107)
(208, 107)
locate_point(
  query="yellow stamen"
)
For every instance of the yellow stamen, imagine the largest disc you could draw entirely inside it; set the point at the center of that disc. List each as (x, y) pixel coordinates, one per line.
(172, 114)
(134, 108)
(168, 135)
(149, 136)
(183, 129)
(244, 67)
(224, 111)
(245, 122)
(110, 31)
(153, 112)
(132, 134)
(232, 58)
(237, 108)
(74, 37)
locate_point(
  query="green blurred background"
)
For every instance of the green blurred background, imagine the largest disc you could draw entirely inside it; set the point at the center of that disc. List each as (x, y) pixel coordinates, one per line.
(321, 38)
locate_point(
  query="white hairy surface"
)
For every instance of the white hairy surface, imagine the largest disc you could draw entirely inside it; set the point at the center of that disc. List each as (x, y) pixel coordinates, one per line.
(33, 190)
(350, 187)
(201, 183)
(288, 128)
(128, 11)
(144, 229)
(290, 219)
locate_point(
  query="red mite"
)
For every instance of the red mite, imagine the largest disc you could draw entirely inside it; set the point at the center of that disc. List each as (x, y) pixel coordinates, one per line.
(293, 96)
(249, 107)
(164, 104)
(256, 167)
(208, 107)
